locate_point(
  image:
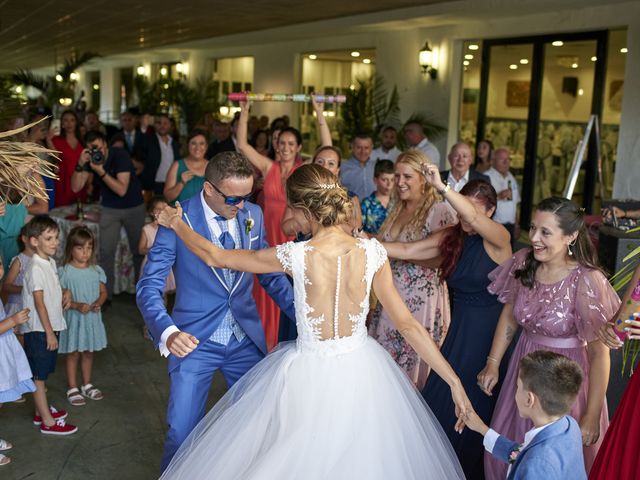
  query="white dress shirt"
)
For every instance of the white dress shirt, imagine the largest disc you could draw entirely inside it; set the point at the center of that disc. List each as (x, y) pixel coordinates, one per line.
(380, 154)
(166, 159)
(506, 209)
(429, 150)
(456, 185)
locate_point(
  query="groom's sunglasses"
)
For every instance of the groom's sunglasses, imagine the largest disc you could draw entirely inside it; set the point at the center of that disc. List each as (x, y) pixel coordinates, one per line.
(228, 199)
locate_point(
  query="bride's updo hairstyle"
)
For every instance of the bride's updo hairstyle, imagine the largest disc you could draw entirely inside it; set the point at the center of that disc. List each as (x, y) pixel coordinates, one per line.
(317, 192)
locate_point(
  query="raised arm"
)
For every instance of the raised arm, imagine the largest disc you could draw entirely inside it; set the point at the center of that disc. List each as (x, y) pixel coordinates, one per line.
(417, 336)
(426, 249)
(323, 128)
(495, 234)
(259, 161)
(254, 261)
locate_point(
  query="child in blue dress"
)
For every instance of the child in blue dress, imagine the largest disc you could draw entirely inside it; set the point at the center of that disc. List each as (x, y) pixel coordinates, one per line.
(15, 374)
(85, 332)
(15, 276)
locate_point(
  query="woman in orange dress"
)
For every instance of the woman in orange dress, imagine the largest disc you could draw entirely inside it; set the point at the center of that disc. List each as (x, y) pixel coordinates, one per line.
(275, 174)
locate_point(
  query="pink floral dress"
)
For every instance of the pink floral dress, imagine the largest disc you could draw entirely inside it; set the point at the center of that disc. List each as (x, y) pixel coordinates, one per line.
(561, 317)
(425, 295)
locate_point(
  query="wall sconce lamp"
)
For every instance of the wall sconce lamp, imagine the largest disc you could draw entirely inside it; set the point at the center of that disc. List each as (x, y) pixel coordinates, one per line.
(425, 59)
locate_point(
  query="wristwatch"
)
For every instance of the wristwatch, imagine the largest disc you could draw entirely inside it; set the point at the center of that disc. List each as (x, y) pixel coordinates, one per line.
(446, 188)
(79, 168)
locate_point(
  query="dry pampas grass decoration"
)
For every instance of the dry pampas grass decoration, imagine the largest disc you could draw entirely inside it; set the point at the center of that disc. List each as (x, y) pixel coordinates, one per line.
(19, 161)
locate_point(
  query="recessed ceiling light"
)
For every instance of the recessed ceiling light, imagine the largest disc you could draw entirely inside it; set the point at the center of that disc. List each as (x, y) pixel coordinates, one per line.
(580, 91)
(574, 65)
(366, 60)
(523, 61)
(355, 54)
(313, 56)
(513, 66)
(624, 50)
(465, 63)
(468, 56)
(163, 71)
(594, 58)
(140, 70)
(557, 43)
(473, 46)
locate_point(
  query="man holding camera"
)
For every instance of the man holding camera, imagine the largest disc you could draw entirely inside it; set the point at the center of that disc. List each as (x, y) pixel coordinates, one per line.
(120, 197)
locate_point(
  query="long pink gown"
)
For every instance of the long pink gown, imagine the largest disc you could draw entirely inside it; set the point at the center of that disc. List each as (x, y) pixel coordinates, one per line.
(425, 295)
(561, 317)
(275, 204)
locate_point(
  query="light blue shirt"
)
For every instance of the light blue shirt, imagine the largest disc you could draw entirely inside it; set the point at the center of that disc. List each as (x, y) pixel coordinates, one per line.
(357, 178)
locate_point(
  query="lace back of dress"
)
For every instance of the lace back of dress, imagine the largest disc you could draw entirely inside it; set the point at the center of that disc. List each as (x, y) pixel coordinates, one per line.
(335, 290)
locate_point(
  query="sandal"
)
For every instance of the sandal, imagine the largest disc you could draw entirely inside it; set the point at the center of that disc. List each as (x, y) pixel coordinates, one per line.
(91, 392)
(4, 445)
(4, 459)
(75, 398)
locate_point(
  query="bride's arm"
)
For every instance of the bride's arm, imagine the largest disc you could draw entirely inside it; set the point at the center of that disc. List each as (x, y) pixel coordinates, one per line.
(417, 336)
(254, 261)
(426, 249)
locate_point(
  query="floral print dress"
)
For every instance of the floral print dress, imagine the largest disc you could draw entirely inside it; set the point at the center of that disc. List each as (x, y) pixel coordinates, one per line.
(425, 295)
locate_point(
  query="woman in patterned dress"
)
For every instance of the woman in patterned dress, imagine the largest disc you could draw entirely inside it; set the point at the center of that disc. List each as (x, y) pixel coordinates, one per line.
(418, 213)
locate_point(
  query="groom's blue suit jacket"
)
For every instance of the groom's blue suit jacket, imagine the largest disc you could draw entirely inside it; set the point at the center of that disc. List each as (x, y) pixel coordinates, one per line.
(202, 296)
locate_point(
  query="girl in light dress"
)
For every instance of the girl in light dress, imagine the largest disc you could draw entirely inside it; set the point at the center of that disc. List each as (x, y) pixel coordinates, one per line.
(15, 276)
(149, 232)
(15, 374)
(333, 404)
(85, 331)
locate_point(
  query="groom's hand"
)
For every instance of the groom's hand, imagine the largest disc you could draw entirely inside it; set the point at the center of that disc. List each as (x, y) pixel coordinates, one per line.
(181, 344)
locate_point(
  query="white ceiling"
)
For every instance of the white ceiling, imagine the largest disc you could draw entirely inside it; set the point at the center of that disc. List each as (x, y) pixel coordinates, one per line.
(45, 32)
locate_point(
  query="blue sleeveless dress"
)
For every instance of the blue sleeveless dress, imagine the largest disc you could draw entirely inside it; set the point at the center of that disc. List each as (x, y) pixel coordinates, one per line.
(474, 316)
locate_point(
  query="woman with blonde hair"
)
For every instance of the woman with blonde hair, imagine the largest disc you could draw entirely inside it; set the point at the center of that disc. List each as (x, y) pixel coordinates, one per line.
(419, 212)
(312, 408)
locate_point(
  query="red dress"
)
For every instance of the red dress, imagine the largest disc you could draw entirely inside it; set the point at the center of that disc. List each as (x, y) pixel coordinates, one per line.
(619, 455)
(69, 159)
(275, 204)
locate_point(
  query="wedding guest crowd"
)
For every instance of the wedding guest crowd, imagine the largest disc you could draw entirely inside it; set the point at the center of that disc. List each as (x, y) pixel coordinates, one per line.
(495, 309)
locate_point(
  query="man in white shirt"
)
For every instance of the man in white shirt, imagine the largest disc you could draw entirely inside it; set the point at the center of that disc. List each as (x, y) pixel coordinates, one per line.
(506, 186)
(461, 172)
(387, 149)
(356, 174)
(414, 135)
(158, 152)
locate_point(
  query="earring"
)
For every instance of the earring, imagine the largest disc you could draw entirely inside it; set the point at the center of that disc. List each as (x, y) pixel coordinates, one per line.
(569, 250)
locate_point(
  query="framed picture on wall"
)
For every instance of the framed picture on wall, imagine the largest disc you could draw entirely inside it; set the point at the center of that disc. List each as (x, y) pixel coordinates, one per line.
(518, 93)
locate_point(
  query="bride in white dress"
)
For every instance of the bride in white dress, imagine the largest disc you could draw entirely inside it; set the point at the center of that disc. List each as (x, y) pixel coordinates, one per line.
(332, 404)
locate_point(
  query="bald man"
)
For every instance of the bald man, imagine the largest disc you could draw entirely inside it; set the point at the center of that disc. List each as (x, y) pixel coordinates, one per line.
(461, 172)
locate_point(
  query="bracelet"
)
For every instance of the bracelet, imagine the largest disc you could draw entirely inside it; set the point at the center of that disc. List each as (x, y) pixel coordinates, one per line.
(491, 359)
(446, 188)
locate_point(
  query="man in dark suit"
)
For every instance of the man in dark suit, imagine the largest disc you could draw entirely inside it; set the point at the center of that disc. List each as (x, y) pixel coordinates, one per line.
(132, 136)
(158, 151)
(224, 135)
(460, 174)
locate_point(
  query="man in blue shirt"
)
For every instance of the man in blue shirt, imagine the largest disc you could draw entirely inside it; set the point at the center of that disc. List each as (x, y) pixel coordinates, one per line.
(356, 174)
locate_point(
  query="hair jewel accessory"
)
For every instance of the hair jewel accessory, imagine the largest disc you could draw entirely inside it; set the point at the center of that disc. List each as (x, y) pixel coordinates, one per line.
(328, 186)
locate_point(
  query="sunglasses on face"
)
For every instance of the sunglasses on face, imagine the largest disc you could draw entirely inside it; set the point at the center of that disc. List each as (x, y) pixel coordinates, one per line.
(230, 200)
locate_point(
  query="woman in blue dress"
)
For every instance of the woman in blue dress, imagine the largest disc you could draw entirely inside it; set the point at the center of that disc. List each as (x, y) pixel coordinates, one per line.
(467, 253)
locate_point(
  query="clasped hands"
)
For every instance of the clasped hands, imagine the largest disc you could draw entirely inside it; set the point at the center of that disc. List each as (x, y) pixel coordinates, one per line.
(170, 216)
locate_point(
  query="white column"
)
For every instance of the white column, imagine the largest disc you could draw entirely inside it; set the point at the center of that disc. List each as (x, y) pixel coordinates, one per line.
(109, 94)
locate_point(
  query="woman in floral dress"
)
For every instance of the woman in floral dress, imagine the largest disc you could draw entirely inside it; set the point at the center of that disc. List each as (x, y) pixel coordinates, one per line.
(418, 213)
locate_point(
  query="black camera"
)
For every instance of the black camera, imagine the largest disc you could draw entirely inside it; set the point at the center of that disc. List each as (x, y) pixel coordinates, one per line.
(96, 156)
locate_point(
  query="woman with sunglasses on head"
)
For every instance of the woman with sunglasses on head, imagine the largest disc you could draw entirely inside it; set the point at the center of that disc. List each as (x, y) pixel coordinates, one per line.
(275, 174)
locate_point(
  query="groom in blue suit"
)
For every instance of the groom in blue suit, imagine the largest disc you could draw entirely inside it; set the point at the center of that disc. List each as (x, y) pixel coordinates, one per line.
(214, 323)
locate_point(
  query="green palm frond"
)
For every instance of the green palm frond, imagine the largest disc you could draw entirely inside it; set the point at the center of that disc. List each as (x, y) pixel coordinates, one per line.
(30, 79)
(74, 62)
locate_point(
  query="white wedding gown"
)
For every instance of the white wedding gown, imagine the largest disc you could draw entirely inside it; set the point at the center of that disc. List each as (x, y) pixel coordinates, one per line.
(332, 405)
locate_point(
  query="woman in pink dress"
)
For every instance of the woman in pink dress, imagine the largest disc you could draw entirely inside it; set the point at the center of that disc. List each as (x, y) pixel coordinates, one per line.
(275, 174)
(418, 213)
(558, 296)
(69, 143)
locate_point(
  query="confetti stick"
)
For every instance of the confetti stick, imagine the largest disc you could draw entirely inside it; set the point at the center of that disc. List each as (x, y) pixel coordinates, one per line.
(284, 97)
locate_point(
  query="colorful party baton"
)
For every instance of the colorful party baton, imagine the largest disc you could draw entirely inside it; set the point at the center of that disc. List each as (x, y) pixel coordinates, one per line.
(283, 97)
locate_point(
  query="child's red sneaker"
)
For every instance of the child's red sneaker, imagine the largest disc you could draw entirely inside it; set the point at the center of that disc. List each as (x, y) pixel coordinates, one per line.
(58, 428)
(56, 414)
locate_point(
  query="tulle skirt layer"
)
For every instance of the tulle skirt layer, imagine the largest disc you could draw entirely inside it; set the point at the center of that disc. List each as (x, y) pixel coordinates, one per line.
(301, 414)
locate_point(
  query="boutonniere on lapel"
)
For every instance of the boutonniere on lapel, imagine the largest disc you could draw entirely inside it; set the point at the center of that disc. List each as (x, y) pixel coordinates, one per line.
(514, 455)
(248, 225)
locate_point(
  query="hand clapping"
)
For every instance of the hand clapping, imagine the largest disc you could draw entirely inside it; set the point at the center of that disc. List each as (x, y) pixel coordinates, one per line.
(170, 215)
